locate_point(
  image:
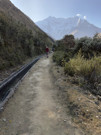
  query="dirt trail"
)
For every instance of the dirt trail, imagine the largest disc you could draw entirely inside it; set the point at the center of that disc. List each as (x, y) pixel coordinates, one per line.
(34, 109)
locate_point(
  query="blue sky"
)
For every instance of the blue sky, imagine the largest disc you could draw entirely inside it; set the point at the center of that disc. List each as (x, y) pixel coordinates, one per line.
(40, 9)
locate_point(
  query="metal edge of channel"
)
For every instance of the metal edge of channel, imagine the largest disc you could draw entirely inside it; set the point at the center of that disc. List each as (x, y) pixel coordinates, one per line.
(6, 89)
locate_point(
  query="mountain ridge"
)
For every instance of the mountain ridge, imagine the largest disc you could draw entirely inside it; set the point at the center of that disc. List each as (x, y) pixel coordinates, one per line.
(57, 28)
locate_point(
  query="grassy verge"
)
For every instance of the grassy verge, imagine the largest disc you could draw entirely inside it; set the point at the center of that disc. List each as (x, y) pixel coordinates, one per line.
(85, 109)
(89, 69)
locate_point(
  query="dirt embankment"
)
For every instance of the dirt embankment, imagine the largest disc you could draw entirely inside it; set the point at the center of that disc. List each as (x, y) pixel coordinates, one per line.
(84, 107)
(7, 72)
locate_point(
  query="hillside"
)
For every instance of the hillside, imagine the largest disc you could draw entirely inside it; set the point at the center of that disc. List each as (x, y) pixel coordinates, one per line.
(57, 28)
(20, 38)
(10, 10)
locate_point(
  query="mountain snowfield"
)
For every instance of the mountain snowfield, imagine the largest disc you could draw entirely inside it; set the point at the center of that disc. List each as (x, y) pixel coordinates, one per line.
(57, 28)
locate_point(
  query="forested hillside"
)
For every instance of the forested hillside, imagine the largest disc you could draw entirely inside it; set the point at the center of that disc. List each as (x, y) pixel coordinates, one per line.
(20, 38)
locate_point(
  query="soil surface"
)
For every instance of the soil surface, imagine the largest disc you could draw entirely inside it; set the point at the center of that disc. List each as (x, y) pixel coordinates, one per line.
(35, 108)
(83, 106)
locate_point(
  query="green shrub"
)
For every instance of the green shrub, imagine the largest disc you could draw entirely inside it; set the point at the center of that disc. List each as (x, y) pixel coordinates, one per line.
(84, 67)
(58, 57)
(66, 43)
(17, 42)
(89, 69)
(88, 46)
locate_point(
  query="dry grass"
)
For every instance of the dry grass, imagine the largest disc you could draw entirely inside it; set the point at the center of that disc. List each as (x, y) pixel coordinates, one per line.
(85, 109)
(11, 11)
(83, 67)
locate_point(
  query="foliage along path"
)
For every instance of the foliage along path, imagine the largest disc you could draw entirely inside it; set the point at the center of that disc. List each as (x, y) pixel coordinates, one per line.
(35, 109)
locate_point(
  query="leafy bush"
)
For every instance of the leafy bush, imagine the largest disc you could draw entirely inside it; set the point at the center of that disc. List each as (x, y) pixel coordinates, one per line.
(58, 57)
(17, 42)
(96, 45)
(66, 43)
(64, 49)
(83, 67)
(82, 61)
(89, 69)
(88, 46)
(84, 44)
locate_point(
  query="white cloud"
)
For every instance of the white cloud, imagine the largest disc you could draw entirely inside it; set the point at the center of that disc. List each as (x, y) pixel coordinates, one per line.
(78, 15)
(81, 16)
(85, 17)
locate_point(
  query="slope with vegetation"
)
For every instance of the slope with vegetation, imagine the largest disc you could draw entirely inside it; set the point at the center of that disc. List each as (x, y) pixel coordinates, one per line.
(20, 38)
(81, 58)
(78, 76)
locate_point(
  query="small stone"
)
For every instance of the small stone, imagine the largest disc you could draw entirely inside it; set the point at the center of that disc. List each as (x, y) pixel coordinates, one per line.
(1, 108)
(99, 98)
(4, 120)
(96, 102)
(79, 99)
(99, 110)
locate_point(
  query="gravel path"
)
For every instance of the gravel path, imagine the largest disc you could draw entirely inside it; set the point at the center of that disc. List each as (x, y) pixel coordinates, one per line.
(34, 109)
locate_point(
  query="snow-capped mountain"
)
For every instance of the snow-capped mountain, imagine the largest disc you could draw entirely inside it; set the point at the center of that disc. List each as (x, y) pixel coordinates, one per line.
(57, 28)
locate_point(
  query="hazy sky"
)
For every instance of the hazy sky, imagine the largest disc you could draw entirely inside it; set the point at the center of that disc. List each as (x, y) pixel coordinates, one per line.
(41, 9)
